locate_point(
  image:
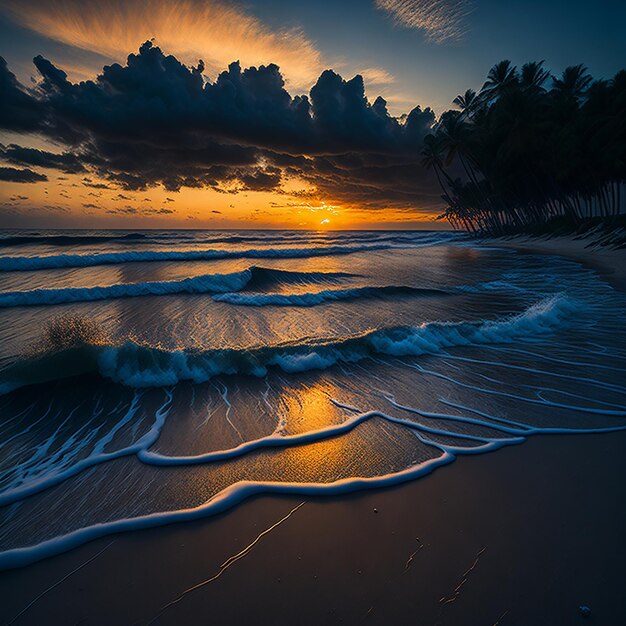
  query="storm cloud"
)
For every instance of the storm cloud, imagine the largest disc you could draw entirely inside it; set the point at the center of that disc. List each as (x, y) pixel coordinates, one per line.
(156, 121)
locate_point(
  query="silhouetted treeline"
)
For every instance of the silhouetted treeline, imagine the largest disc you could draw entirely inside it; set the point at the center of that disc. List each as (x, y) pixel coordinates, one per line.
(532, 148)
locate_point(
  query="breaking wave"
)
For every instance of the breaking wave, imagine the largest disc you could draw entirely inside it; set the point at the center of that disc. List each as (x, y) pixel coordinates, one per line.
(138, 365)
(319, 297)
(209, 283)
(56, 261)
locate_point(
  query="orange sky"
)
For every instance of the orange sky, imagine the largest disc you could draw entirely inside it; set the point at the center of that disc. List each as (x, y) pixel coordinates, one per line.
(70, 201)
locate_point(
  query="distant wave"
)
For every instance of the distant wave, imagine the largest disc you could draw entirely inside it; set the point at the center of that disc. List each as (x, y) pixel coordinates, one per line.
(68, 240)
(208, 283)
(199, 237)
(144, 366)
(24, 263)
(314, 298)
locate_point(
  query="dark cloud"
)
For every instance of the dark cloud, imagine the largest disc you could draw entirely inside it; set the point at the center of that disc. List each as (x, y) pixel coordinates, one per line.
(15, 175)
(19, 112)
(132, 210)
(66, 162)
(87, 182)
(155, 121)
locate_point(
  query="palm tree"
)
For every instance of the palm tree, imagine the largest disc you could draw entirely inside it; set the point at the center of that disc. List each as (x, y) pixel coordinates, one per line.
(533, 76)
(573, 83)
(502, 76)
(467, 102)
(433, 152)
(531, 156)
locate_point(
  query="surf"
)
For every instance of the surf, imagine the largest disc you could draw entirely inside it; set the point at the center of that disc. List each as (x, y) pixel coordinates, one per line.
(139, 365)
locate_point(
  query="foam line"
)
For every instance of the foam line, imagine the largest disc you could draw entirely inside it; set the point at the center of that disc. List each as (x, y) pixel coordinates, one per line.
(227, 499)
(493, 392)
(532, 370)
(45, 482)
(138, 365)
(552, 359)
(56, 261)
(237, 493)
(271, 441)
(319, 297)
(209, 283)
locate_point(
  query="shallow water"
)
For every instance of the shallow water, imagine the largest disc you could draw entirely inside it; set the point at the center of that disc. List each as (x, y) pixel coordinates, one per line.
(155, 377)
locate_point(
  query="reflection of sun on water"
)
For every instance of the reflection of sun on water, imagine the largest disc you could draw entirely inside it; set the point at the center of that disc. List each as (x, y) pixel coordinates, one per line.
(309, 408)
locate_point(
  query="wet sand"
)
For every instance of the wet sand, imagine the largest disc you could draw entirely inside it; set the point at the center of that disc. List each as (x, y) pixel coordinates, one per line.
(543, 532)
(519, 537)
(609, 263)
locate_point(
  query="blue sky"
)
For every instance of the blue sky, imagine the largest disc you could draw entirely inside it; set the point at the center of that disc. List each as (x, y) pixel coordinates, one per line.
(353, 35)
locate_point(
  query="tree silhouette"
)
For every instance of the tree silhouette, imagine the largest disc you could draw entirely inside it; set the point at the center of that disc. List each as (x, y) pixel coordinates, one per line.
(517, 155)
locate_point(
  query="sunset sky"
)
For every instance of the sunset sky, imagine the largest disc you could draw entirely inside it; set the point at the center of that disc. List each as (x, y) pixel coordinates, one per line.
(91, 137)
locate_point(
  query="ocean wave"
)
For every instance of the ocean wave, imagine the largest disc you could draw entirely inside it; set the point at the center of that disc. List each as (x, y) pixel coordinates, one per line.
(505, 432)
(138, 365)
(255, 277)
(57, 261)
(319, 297)
(209, 283)
(68, 240)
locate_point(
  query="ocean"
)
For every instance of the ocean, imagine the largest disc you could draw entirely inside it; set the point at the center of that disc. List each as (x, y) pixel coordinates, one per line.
(156, 377)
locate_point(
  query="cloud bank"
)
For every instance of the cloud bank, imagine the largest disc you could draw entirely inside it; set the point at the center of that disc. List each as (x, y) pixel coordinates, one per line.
(156, 121)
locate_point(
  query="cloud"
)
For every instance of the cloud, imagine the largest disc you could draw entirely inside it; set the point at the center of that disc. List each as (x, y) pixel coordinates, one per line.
(14, 175)
(213, 30)
(377, 76)
(440, 20)
(132, 210)
(66, 162)
(19, 111)
(156, 121)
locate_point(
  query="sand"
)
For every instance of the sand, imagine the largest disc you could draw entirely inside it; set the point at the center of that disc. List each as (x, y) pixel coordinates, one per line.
(548, 514)
(609, 263)
(519, 537)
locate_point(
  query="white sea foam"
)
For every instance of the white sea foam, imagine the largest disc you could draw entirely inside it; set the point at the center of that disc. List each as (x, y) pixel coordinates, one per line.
(53, 261)
(209, 283)
(319, 297)
(514, 433)
(138, 365)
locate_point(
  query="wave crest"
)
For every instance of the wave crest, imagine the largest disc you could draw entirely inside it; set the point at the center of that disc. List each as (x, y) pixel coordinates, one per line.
(208, 283)
(138, 365)
(56, 261)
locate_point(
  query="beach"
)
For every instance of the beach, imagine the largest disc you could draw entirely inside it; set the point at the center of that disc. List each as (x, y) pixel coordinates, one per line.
(494, 422)
(550, 526)
(312, 314)
(608, 262)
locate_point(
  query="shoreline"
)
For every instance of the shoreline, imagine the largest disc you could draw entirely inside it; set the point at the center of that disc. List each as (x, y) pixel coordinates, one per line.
(610, 264)
(517, 537)
(530, 551)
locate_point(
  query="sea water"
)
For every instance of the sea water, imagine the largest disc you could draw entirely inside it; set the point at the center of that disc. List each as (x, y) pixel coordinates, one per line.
(152, 377)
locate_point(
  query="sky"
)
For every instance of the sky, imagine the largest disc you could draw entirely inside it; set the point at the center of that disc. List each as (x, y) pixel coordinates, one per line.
(257, 114)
